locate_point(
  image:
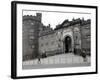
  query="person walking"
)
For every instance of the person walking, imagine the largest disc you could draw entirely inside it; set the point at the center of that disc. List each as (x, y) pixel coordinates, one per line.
(39, 59)
(84, 55)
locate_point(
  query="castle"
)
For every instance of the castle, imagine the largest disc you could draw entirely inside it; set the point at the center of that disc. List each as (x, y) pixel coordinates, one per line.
(69, 36)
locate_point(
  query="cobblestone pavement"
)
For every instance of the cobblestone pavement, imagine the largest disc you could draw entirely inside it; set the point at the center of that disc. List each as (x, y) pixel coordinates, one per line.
(68, 58)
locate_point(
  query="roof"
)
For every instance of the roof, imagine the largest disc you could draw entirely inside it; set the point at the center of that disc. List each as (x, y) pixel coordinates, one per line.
(67, 23)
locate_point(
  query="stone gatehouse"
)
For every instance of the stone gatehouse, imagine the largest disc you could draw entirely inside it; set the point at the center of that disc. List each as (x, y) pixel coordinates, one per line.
(67, 37)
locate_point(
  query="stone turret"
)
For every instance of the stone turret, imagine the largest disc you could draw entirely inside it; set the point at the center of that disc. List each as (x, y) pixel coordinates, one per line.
(31, 25)
(38, 17)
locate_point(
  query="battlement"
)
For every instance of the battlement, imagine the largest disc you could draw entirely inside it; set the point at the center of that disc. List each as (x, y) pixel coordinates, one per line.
(67, 23)
(85, 22)
(32, 17)
(46, 30)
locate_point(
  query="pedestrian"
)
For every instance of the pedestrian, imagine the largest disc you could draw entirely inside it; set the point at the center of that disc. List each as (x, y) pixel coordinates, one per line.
(39, 60)
(84, 55)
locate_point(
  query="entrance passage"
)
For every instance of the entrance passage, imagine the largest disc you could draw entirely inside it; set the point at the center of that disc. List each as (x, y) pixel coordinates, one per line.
(68, 47)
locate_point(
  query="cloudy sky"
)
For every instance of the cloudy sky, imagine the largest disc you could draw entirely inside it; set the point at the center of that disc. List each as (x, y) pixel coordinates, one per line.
(54, 18)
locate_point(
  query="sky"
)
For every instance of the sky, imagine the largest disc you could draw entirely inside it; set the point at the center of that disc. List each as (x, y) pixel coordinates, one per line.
(55, 18)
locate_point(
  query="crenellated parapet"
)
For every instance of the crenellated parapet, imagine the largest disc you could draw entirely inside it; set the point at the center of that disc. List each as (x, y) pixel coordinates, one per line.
(84, 22)
(31, 17)
(67, 23)
(46, 30)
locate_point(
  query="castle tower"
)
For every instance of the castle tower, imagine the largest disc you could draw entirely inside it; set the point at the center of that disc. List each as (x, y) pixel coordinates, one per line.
(30, 34)
(39, 16)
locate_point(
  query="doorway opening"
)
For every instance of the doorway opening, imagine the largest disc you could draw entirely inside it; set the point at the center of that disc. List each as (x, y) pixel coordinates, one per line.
(68, 46)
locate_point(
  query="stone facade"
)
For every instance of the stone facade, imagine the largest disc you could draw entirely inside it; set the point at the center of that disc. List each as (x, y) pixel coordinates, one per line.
(86, 36)
(69, 36)
(48, 42)
(79, 32)
(31, 26)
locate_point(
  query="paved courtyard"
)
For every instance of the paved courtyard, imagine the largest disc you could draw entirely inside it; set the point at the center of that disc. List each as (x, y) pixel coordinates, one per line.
(68, 59)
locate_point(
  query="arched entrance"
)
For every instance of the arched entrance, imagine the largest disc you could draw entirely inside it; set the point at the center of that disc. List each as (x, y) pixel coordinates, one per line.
(68, 44)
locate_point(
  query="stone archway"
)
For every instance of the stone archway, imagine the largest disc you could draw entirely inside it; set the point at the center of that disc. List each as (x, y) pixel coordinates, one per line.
(67, 44)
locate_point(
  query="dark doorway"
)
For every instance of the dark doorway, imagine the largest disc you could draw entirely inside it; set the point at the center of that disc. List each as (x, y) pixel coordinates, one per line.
(68, 47)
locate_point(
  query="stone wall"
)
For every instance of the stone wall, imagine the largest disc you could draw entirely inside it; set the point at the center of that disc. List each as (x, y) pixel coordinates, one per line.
(30, 33)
